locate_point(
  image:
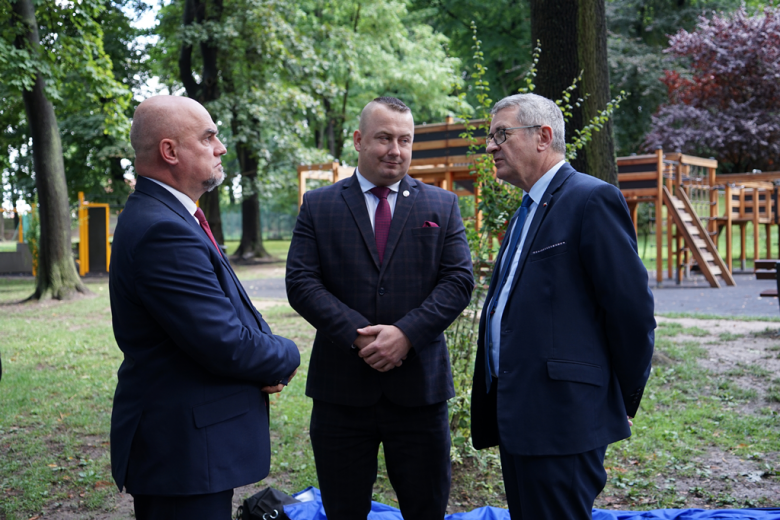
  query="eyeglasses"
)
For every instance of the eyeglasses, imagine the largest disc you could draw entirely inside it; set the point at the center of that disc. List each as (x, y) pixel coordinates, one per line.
(500, 136)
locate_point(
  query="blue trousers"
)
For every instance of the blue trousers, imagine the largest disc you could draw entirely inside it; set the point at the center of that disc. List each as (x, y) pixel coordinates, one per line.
(553, 487)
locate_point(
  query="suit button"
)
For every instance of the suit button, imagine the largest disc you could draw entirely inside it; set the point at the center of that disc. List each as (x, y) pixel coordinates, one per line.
(381, 291)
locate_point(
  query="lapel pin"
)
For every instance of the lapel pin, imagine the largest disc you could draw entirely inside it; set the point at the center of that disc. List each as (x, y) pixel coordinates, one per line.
(544, 205)
(406, 193)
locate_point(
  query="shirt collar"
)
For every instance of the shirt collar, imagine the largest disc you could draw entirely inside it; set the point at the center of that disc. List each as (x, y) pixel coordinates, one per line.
(366, 185)
(538, 189)
(187, 202)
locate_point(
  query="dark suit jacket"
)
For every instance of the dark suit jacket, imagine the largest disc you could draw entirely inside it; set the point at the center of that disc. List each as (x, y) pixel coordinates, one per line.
(334, 280)
(189, 416)
(577, 330)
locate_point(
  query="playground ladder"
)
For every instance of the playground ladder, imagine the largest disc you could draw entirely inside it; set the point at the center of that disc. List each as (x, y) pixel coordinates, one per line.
(696, 237)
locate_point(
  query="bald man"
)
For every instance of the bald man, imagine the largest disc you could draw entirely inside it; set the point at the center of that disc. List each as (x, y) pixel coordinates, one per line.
(190, 416)
(380, 265)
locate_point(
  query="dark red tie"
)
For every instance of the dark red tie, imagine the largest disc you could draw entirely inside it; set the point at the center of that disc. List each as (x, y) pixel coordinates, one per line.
(205, 225)
(382, 220)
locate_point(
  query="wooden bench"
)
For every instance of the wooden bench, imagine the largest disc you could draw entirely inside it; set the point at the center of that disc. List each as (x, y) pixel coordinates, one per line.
(767, 270)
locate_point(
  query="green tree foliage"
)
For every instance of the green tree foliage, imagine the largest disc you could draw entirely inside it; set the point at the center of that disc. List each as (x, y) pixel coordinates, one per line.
(726, 100)
(98, 152)
(506, 46)
(52, 54)
(264, 103)
(90, 94)
(292, 79)
(369, 49)
(260, 62)
(638, 33)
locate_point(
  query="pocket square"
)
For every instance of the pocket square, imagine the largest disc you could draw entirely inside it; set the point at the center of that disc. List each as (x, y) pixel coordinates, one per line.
(542, 250)
(428, 223)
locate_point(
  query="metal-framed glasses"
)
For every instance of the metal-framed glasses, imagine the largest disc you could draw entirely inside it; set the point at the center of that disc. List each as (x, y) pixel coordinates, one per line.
(500, 136)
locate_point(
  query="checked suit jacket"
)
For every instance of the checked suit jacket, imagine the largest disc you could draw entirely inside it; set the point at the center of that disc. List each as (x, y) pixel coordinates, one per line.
(189, 417)
(334, 280)
(577, 330)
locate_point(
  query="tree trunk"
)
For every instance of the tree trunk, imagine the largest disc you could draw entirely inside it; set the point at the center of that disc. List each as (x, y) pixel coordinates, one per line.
(573, 35)
(335, 121)
(251, 245)
(56, 274)
(201, 11)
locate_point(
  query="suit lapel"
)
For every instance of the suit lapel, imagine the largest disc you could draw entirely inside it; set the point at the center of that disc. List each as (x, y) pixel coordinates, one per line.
(403, 208)
(152, 189)
(542, 209)
(356, 202)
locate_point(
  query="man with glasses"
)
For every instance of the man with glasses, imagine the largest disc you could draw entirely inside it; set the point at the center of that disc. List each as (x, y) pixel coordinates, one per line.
(566, 334)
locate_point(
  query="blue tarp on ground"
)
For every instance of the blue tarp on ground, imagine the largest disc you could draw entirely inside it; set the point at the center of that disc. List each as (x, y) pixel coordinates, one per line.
(311, 509)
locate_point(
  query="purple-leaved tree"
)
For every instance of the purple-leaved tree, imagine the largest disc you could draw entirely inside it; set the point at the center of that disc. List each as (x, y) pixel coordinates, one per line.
(727, 104)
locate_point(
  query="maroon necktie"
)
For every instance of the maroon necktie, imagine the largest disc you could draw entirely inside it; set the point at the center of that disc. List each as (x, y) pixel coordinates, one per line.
(382, 219)
(205, 225)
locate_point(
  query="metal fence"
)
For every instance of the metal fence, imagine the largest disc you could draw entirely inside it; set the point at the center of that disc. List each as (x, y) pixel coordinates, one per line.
(275, 226)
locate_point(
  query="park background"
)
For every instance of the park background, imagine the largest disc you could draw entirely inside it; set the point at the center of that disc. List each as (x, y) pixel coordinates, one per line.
(285, 82)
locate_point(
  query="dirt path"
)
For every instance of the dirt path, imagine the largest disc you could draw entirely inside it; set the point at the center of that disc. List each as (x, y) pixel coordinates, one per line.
(748, 352)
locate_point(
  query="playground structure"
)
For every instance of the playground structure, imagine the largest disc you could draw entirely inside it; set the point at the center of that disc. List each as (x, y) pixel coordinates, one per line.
(94, 241)
(685, 191)
(94, 237)
(700, 205)
(439, 158)
(681, 184)
(20, 260)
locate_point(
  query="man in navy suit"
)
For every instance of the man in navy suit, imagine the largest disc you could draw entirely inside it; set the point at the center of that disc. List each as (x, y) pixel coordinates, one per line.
(190, 415)
(566, 333)
(380, 265)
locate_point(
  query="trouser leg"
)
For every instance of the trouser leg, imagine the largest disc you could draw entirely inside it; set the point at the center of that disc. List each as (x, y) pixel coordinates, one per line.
(553, 487)
(345, 444)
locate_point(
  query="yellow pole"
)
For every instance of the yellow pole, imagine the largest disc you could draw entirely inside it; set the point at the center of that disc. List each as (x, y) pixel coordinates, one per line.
(108, 242)
(83, 237)
(301, 185)
(35, 260)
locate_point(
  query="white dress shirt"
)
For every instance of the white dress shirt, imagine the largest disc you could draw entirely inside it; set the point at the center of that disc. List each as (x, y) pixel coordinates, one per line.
(536, 193)
(372, 201)
(190, 206)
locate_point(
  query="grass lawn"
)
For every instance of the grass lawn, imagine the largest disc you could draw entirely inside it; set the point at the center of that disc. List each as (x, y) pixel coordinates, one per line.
(60, 362)
(277, 248)
(8, 246)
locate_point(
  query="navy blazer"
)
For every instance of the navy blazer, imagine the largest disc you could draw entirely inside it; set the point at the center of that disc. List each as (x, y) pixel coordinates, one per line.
(188, 416)
(335, 281)
(577, 330)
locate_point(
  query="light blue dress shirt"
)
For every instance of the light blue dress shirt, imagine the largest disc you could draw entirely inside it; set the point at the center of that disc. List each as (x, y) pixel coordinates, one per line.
(536, 193)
